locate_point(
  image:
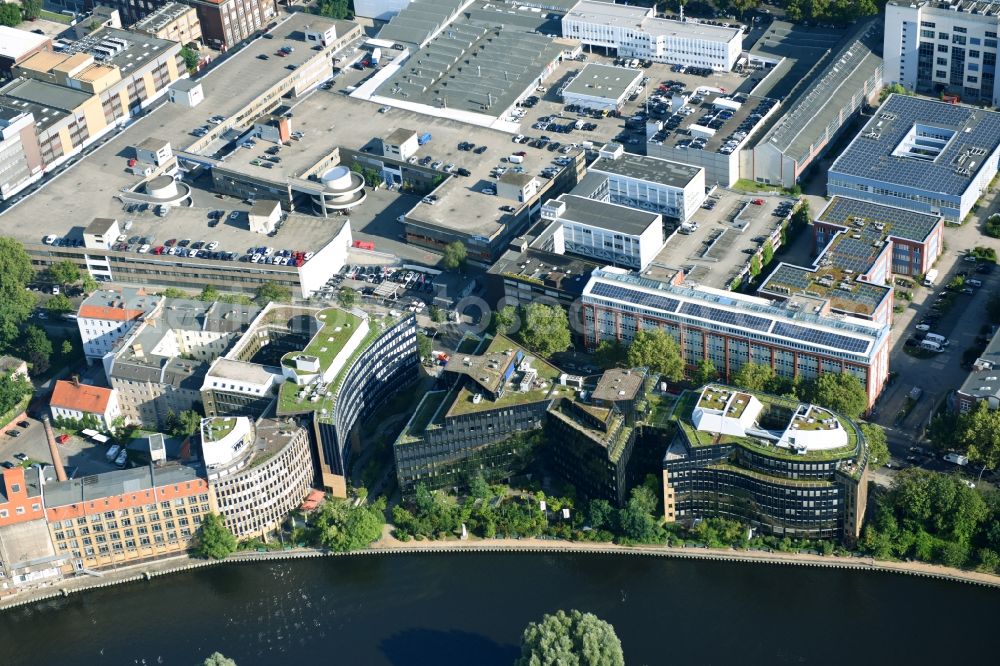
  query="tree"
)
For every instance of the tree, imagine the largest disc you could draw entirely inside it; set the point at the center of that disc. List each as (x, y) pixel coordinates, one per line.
(454, 255)
(59, 304)
(600, 514)
(13, 389)
(219, 659)
(505, 320)
(184, 424)
(174, 292)
(215, 541)
(878, 448)
(38, 348)
(767, 253)
(657, 350)
(424, 346)
(16, 302)
(570, 639)
(610, 353)
(10, 15)
(64, 273)
(347, 297)
(636, 519)
(705, 373)
(754, 266)
(209, 294)
(545, 329)
(335, 9)
(190, 57)
(841, 392)
(268, 292)
(753, 377)
(31, 9)
(341, 526)
(978, 431)
(892, 89)
(88, 284)
(66, 348)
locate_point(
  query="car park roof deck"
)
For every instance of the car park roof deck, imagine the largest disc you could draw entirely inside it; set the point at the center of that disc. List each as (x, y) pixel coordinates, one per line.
(714, 253)
(749, 105)
(228, 90)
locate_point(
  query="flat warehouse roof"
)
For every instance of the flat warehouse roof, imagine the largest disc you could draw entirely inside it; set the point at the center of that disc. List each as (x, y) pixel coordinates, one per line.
(963, 138)
(14, 43)
(606, 81)
(607, 215)
(650, 169)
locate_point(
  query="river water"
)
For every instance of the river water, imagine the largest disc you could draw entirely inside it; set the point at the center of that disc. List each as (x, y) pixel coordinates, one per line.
(470, 609)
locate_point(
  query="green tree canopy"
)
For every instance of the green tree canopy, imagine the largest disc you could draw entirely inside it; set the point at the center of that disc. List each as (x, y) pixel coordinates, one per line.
(767, 253)
(505, 320)
(13, 388)
(656, 349)
(347, 297)
(978, 431)
(424, 346)
(209, 294)
(545, 328)
(268, 292)
(753, 377)
(190, 57)
(335, 9)
(610, 353)
(341, 526)
(219, 659)
(174, 292)
(37, 347)
(59, 304)
(88, 284)
(705, 373)
(570, 639)
(878, 448)
(215, 541)
(454, 255)
(892, 89)
(841, 392)
(64, 273)
(31, 9)
(16, 302)
(184, 424)
(754, 266)
(10, 15)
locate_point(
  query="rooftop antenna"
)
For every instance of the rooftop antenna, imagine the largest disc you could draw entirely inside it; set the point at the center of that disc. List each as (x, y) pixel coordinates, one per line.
(682, 10)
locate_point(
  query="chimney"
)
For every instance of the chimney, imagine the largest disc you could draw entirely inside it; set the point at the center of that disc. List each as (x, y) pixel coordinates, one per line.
(53, 449)
(76, 381)
(137, 350)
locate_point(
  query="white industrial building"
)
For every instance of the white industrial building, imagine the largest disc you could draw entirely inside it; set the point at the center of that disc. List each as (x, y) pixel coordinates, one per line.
(946, 45)
(602, 87)
(672, 189)
(605, 232)
(636, 32)
(921, 155)
(380, 10)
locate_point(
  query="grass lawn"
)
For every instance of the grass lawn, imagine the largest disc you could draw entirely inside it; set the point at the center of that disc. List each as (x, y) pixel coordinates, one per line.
(53, 16)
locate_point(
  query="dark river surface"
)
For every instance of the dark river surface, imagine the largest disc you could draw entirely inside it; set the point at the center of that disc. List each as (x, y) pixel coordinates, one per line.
(458, 609)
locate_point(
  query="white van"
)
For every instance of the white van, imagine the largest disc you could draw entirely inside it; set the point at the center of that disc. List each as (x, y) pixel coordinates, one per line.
(516, 159)
(930, 345)
(939, 339)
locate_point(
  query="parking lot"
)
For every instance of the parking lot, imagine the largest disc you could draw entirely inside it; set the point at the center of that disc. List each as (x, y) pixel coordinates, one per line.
(79, 457)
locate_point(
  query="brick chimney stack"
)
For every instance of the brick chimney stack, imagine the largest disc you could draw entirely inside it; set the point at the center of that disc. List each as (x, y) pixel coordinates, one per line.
(53, 449)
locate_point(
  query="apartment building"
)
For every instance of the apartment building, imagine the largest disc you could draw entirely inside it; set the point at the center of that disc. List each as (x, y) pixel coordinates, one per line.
(76, 96)
(636, 32)
(160, 365)
(945, 46)
(798, 338)
(107, 315)
(174, 21)
(127, 516)
(74, 401)
(225, 23)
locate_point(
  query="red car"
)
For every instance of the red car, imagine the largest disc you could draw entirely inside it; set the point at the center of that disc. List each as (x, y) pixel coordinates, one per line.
(758, 202)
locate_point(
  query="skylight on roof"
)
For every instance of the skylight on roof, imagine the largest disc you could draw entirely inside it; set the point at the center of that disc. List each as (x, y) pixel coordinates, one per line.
(924, 142)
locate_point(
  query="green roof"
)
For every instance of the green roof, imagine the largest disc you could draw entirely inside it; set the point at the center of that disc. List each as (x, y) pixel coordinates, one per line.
(548, 373)
(219, 428)
(337, 326)
(428, 406)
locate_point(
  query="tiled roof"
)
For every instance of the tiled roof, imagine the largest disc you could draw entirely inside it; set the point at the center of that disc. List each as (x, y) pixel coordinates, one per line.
(81, 397)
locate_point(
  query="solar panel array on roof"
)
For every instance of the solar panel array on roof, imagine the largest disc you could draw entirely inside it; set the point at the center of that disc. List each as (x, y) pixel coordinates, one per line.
(739, 319)
(975, 134)
(633, 296)
(897, 222)
(820, 337)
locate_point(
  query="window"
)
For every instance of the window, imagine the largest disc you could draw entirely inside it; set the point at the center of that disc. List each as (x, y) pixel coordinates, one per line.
(942, 48)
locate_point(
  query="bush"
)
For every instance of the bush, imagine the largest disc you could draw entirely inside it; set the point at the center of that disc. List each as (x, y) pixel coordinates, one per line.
(993, 226)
